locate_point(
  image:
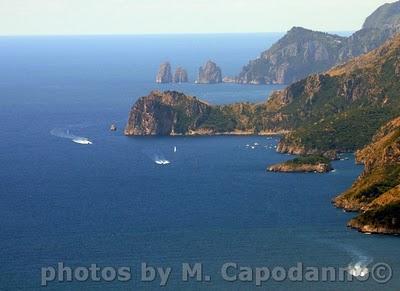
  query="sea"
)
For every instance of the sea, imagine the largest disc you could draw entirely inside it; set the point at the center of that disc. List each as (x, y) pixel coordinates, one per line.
(147, 205)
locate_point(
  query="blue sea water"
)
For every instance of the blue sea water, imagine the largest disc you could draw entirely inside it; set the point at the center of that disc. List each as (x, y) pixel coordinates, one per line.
(110, 204)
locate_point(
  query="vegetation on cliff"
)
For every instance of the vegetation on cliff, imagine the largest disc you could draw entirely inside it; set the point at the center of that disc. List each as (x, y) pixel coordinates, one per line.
(343, 108)
(306, 164)
(377, 191)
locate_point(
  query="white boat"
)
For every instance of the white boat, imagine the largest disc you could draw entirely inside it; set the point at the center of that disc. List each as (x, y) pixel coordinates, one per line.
(175, 149)
(82, 141)
(162, 162)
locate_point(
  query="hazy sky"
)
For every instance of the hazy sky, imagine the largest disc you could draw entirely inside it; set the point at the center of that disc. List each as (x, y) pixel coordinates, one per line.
(179, 16)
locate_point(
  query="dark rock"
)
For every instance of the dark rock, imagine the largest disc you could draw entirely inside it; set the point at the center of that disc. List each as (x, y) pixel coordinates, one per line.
(181, 75)
(166, 113)
(164, 73)
(209, 74)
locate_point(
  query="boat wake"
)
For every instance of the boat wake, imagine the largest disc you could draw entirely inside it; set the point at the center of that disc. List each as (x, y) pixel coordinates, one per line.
(162, 162)
(156, 156)
(358, 266)
(62, 133)
(82, 140)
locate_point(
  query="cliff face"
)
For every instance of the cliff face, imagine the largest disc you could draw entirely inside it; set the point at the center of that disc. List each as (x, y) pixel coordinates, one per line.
(180, 75)
(164, 74)
(376, 193)
(209, 74)
(296, 55)
(386, 16)
(302, 52)
(165, 113)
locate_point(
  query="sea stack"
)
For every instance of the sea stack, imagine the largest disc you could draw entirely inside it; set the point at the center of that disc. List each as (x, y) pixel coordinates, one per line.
(181, 75)
(209, 74)
(164, 73)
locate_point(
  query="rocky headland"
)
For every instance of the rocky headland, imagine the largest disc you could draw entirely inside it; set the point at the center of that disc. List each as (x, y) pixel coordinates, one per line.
(376, 193)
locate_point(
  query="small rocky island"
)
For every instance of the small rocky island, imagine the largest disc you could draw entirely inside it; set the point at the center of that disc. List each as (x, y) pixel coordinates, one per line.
(164, 73)
(209, 74)
(303, 164)
(181, 75)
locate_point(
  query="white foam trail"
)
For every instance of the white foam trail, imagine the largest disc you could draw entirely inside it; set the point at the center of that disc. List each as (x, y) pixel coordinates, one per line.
(156, 156)
(159, 159)
(162, 162)
(66, 134)
(82, 141)
(358, 267)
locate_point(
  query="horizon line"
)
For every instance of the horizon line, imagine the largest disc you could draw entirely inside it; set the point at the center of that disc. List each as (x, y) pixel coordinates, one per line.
(165, 34)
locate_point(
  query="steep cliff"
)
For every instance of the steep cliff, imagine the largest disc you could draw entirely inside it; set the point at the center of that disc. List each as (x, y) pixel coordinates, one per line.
(166, 113)
(299, 53)
(302, 52)
(164, 74)
(386, 16)
(209, 74)
(376, 193)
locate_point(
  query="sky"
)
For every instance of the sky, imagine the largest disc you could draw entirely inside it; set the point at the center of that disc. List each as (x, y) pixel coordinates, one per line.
(76, 17)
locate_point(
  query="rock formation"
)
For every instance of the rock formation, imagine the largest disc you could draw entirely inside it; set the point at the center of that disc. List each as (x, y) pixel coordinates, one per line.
(209, 74)
(288, 167)
(165, 113)
(164, 74)
(180, 75)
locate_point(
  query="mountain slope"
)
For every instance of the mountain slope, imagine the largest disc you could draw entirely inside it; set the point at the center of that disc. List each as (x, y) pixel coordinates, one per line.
(343, 108)
(386, 16)
(377, 191)
(298, 53)
(302, 52)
